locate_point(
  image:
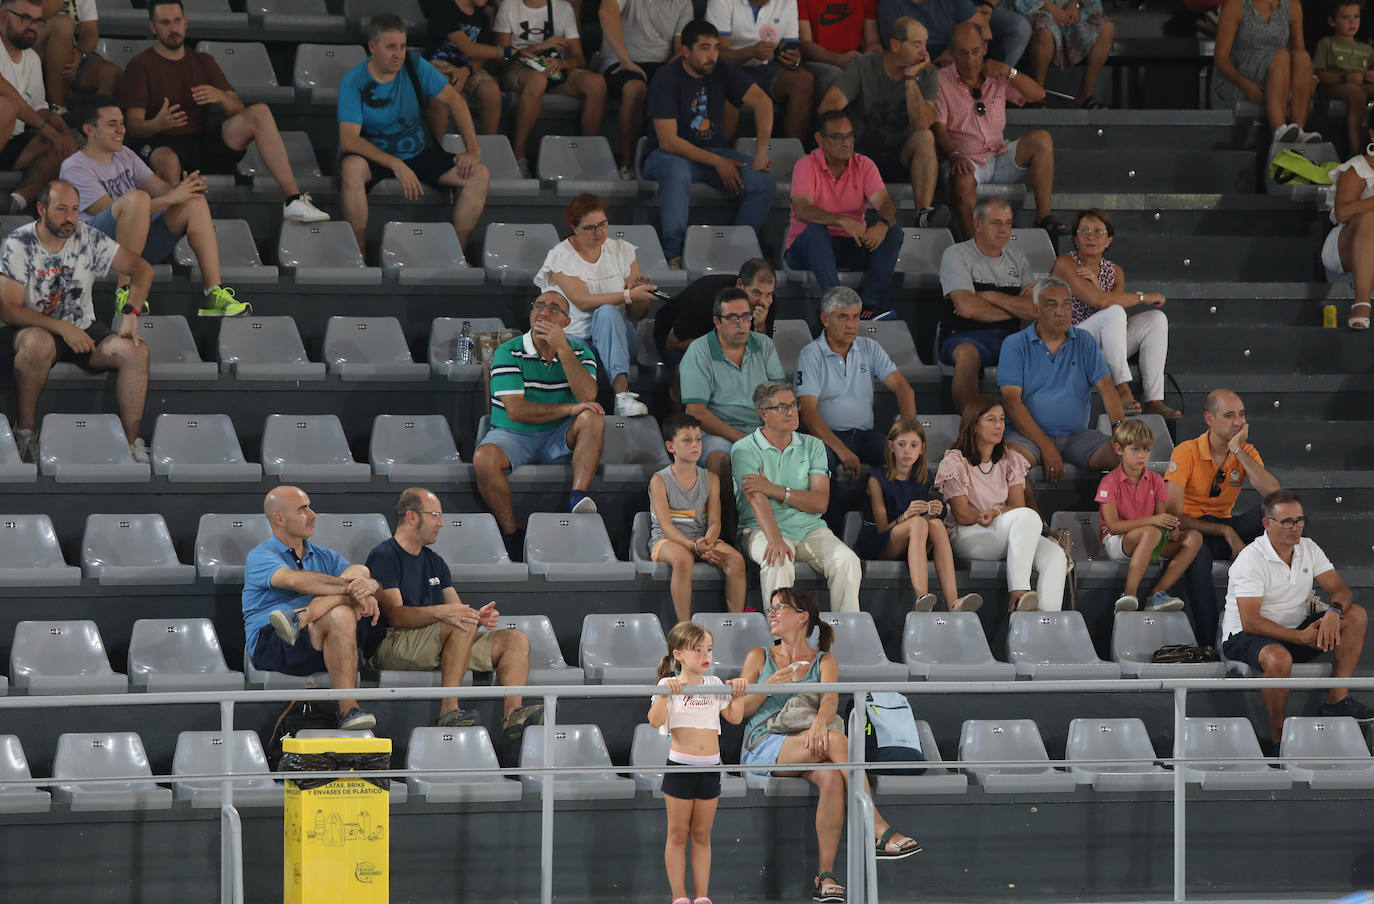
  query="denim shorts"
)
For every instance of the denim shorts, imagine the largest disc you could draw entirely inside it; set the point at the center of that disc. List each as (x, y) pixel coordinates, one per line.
(161, 240)
(547, 447)
(710, 443)
(765, 754)
(1076, 448)
(988, 343)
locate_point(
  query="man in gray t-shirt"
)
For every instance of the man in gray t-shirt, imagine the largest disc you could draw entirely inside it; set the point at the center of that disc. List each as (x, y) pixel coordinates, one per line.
(638, 36)
(891, 100)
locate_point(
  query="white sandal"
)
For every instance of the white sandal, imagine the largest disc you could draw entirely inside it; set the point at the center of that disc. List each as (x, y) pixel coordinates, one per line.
(1358, 323)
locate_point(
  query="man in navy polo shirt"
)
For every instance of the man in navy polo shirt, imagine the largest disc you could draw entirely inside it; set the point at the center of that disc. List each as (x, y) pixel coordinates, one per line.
(1047, 372)
(305, 609)
(834, 382)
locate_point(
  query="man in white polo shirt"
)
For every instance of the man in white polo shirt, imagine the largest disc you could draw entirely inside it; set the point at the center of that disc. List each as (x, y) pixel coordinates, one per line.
(763, 37)
(1272, 619)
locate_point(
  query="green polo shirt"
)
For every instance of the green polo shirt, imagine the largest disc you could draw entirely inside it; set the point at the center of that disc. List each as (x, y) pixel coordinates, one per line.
(711, 379)
(518, 369)
(792, 467)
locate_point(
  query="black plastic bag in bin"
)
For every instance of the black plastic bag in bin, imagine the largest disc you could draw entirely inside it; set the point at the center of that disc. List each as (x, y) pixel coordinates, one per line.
(335, 762)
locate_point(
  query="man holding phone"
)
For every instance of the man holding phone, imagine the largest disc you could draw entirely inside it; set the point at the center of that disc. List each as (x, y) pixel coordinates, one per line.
(764, 39)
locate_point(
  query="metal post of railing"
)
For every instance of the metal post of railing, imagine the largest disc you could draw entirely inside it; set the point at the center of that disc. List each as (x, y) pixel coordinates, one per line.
(230, 826)
(546, 803)
(1180, 797)
(855, 873)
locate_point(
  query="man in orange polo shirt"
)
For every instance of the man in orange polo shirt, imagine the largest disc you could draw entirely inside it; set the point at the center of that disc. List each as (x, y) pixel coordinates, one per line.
(1205, 478)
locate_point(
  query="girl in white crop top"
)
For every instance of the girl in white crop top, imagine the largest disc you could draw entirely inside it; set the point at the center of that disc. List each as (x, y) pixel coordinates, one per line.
(693, 722)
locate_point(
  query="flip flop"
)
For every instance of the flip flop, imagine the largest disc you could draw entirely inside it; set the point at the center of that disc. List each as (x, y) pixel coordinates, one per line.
(1358, 323)
(1158, 407)
(904, 850)
(1130, 407)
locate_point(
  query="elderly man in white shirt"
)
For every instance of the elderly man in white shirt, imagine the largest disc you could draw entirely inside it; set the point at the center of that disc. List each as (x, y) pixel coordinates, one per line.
(1272, 618)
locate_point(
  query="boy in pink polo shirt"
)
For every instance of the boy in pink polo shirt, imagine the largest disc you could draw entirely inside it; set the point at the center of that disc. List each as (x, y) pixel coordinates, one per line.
(1132, 500)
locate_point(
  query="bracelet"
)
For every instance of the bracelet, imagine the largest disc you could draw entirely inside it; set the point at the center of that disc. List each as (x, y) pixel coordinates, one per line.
(1339, 613)
(787, 496)
(1141, 296)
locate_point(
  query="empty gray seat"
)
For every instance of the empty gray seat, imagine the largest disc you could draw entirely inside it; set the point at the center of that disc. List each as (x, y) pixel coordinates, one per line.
(457, 748)
(513, 252)
(13, 469)
(352, 536)
(994, 740)
(471, 544)
(895, 338)
(416, 448)
(14, 767)
(649, 749)
(248, 68)
(308, 447)
(1322, 741)
(733, 635)
(62, 657)
(426, 254)
(324, 254)
(573, 745)
(30, 556)
(621, 649)
(1229, 738)
(789, 338)
(369, 349)
(702, 572)
(1035, 244)
(257, 678)
(87, 448)
(1052, 645)
(443, 346)
(320, 67)
(121, 50)
(568, 547)
(1136, 636)
(784, 152)
(265, 348)
(358, 12)
(649, 254)
(311, 16)
(105, 755)
(300, 154)
(499, 159)
(120, 16)
(172, 353)
(1115, 739)
(633, 449)
(203, 753)
(859, 650)
(178, 654)
(546, 659)
(190, 448)
(582, 163)
(919, 259)
(224, 541)
(216, 14)
(131, 549)
(950, 646)
(239, 262)
(938, 778)
(718, 249)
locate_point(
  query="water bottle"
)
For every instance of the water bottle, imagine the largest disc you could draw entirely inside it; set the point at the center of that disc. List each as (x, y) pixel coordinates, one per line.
(1159, 547)
(465, 344)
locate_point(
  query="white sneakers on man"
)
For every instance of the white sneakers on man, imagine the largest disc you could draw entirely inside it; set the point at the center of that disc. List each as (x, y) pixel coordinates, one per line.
(627, 404)
(303, 210)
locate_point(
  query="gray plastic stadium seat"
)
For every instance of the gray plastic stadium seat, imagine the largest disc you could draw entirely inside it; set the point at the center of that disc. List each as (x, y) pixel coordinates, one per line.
(633, 449)
(121, 50)
(513, 252)
(621, 649)
(778, 785)
(1163, 448)
(950, 646)
(249, 70)
(573, 745)
(426, 254)
(546, 659)
(1136, 636)
(309, 447)
(320, 67)
(443, 347)
(202, 753)
(499, 159)
(1215, 736)
(649, 254)
(216, 13)
(300, 154)
(178, 654)
(61, 658)
(224, 541)
(938, 778)
(369, 349)
(358, 12)
(471, 544)
(582, 163)
(105, 755)
(239, 263)
(352, 536)
(416, 448)
(650, 748)
(172, 353)
(702, 572)
(30, 556)
(567, 547)
(859, 650)
(990, 740)
(131, 549)
(784, 152)
(121, 16)
(189, 448)
(1115, 739)
(265, 348)
(14, 766)
(733, 635)
(310, 16)
(789, 338)
(324, 254)
(87, 448)
(257, 678)
(941, 432)
(12, 468)
(895, 338)
(1319, 741)
(919, 259)
(1055, 645)
(457, 748)
(1035, 244)
(718, 249)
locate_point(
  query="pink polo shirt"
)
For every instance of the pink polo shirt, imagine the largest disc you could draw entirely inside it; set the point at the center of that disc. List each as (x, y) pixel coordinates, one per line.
(1132, 500)
(847, 196)
(976, 137)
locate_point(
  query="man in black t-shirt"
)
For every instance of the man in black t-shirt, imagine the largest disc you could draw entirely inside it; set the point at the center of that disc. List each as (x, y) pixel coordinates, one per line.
(689, 315)
(459, 43)
(428, 627)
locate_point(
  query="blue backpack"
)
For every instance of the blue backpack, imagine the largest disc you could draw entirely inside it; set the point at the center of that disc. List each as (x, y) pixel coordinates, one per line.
(890, 733)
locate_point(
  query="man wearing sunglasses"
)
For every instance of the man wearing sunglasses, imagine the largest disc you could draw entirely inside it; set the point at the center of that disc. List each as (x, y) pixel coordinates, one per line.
(1205, 478)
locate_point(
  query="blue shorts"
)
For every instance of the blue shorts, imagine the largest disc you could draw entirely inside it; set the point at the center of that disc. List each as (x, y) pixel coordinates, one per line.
(547, 447)
(765, 754)
(161, 240)
(988, 343)
(765, 75)
(1245, 647)
(271, 653)
(710, 443)
(1075, 448)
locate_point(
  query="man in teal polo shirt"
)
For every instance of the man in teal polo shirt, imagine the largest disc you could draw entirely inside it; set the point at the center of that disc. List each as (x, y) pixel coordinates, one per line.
(718, 374)
(543, 411)
(782, 492)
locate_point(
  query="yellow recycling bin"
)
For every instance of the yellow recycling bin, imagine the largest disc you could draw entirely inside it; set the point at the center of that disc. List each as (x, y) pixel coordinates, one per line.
(335, 830)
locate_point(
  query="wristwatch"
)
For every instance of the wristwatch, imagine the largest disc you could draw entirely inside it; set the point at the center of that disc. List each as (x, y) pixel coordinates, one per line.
(1014, 72)
(130, 309)
(886, 222)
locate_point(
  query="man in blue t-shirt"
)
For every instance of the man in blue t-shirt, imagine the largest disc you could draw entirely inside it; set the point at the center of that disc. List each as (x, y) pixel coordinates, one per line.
(305, 609)
(686, 141)
(429, 627)
(382, 132)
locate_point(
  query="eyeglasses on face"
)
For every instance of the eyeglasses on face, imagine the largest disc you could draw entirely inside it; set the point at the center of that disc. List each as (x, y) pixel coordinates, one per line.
(551, 306)
(777, 607)
(434, 514)
(841, 137)
(736, 318)
(1290, 523)
(595, 227)
(1092, 233)
(36, 22)
(783, 408)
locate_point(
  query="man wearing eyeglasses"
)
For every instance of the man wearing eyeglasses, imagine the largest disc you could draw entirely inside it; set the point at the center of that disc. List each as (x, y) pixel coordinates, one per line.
(33, 139)
(1205, 478)
(1272, 619)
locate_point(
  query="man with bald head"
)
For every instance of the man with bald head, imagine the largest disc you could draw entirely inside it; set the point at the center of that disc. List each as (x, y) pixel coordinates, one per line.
(1205, 478)
(305, 609)
(429, 627)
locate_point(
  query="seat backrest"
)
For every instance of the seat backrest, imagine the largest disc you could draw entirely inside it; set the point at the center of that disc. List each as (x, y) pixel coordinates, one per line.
(28, 541)
(1035, 244)
(365, 340)
(544, 649)
(300, 153)
(121, 50)
(421, 245)
(451, 748)
(1136, 635)
(856, 638)
(116, 540)
(304, 439)
(1083, 527)
(789, 338)
(202, 753)
(922, 250)
(199, 439)
(1324, 736)
(1050, 637)
(953, 638)
(497, 154)
(175, 646)
(573, 745)
(362, 10)
(260, 340)
(633, 441)
(226, 540)
(84, 755)
(733, 635)
(1163, 449)
(1109, 739)
(520, 247)
(43, 648)
(553, 537)
(295, 7)
(470, 538)
(353, 535)
(984, 740)
(941, 432)
(633, 639)
(1217, 736)
(412, 439)
(325, 65)
(784, 152)
(444, 333)
(895, 338)
(13, 764)
(583, 157)
(168, 337)
(234, 238)
(649, 747)
(330, 245)
(648, 249)
(244, 63)
(82, 439)
(719, 249)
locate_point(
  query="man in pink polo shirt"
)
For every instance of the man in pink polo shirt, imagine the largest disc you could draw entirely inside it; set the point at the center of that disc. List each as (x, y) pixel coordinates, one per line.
(832, 188)
(970, 119)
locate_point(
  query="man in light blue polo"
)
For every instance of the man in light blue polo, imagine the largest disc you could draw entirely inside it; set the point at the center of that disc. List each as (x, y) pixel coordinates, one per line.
(1047, 372)
(834, 383)
(718, 374)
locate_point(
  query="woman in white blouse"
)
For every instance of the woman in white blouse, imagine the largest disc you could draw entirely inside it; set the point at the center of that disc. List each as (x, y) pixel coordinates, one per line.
(984, 489)
(608, 294)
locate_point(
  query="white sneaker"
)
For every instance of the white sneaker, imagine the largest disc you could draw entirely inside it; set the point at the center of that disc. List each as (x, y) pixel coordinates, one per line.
(627, 174)
(1287, 133)
(1309, 137)
(1127, 603)
(303, 210)
(27, 443)
(523, 166)
(139, 450)
(627, 404)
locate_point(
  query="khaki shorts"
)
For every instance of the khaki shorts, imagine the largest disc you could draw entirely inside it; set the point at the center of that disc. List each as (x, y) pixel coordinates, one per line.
(474, 81)
(510, 80)
(419, 649)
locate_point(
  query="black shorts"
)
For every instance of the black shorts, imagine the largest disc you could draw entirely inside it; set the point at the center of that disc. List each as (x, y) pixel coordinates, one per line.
(1245, 647)
(616, 81)
(14, 147)
(271, 654)
(429, 165)
(98, 332)
(205, 152)
(691, 785)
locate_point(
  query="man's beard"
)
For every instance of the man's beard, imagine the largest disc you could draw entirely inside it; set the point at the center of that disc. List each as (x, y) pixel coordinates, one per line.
(58, 229)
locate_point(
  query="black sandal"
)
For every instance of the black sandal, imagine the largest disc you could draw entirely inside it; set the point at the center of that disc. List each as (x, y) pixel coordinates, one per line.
(820, 897)
(1092, 103)
(1052, 226)
(912, 846)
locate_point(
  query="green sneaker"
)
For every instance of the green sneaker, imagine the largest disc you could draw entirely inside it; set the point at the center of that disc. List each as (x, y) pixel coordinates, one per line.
(220, 302)
(122, 298)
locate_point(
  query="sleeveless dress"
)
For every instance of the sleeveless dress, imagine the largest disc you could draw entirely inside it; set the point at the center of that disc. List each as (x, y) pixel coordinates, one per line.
(1252, 51)
(897, 497)
(1331, 249)
(760, 745)
(1071, 42)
